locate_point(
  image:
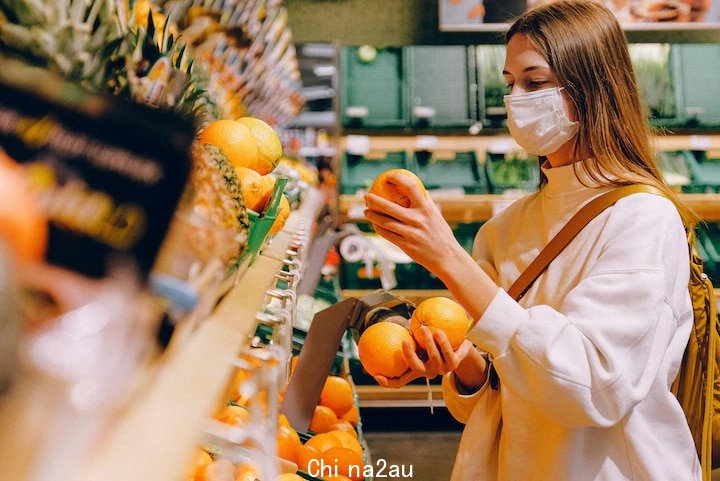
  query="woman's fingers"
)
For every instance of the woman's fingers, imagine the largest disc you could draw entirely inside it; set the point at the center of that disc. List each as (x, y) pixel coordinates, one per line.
(410, 188)
(391, 209)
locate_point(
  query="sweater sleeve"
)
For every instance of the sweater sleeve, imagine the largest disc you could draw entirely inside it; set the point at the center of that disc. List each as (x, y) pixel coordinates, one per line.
(590, 361)
(461, 405)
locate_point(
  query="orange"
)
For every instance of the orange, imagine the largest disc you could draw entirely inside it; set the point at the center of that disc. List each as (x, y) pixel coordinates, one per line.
(348, 462)
(218, 469)
(246, 472)
(324, 441)
(287, 443)
(386, 189)
(443, 314)
(290, 477)
(293, 363)
(305, 455)
(337, 394)
(233, 415)
(254, 189)
(352, 416)
(201, 459)
(234, 139)
(268, 144)
(380, 349)
(348, 441)
(339, 477)
(23, 224)
(282, 214)
(283, 421)
(344, 426)
(323, 419)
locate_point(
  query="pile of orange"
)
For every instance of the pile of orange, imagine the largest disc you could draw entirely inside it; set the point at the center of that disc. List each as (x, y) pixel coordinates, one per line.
(254, 150)
(340, 451)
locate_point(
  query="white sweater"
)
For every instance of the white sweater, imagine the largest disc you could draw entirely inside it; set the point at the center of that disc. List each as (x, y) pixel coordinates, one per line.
(585, 360)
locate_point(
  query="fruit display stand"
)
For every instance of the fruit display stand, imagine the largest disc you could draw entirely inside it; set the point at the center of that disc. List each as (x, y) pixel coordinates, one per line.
(155, 434)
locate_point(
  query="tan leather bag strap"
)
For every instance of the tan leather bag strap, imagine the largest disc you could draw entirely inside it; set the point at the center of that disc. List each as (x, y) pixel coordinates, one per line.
(569, 231)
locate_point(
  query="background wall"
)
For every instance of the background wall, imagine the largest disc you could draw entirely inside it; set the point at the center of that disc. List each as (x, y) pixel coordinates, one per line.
(412, 22)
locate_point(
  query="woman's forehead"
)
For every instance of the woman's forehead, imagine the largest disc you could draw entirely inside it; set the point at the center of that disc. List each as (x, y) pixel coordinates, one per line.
(522, 55)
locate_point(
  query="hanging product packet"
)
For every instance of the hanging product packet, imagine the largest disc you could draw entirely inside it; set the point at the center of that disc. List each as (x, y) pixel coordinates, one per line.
(108, 173)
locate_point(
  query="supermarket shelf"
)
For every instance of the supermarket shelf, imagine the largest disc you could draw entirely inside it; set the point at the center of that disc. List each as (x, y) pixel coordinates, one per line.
(406, 396)
(166, 421)
(480, 207)
(413, 295)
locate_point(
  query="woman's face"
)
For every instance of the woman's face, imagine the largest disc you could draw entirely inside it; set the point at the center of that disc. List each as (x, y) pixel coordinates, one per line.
(527, 71)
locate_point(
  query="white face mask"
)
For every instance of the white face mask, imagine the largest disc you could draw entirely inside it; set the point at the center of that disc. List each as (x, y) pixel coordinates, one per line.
(538, 122)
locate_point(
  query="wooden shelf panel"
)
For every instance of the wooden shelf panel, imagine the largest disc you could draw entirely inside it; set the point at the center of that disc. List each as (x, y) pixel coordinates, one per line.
(406, 396)
(480, 207)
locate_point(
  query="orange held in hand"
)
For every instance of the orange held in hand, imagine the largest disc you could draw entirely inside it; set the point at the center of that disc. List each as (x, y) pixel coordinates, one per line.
(443, 314)
(380, 349)
(387, 189)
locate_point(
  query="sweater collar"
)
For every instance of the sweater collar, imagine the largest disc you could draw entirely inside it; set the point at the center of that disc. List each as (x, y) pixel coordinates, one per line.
(564, 180)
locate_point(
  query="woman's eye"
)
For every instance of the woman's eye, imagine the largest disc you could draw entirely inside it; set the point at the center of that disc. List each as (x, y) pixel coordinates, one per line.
(536, 83)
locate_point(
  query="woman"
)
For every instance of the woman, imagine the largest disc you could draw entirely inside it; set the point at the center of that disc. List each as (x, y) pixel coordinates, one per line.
(585, 359)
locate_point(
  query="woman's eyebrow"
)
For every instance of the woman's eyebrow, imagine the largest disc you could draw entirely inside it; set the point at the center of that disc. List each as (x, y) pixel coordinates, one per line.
(527, 69)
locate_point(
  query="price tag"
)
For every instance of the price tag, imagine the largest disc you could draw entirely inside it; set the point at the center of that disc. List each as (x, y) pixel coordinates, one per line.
(700, 142)
(426, 142)
(112, 172)
(357, 144)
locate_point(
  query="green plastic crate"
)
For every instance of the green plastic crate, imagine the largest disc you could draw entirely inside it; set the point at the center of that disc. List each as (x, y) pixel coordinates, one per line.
(461, 172)
(696, 74)
(708, 245)
(376, 85)
(358, 172)
(507, 171)
(260, 224)
(443, 78)
(703, 177)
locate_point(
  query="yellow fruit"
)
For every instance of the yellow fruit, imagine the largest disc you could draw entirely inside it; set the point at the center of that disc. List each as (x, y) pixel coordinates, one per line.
(380, 349)
(235, 140)
(440, 313)
(233, 415)
(268, 144)
(387, 189)
(290, 477)
(246, 472)
(281, 217)
(323, 419)
(23, 224)
(218, 469)
(254, 188)
(337, 394)
(287, 443)
(201, 459)
(352, 416)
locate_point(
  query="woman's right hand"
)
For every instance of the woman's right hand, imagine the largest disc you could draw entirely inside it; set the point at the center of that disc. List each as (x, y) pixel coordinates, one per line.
(438, 359)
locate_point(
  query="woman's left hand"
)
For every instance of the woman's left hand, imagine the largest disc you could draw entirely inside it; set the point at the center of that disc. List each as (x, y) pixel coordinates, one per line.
(419, 230)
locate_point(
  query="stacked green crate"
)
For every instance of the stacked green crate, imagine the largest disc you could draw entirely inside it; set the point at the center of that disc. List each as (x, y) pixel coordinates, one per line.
(491, 84)
(442, 79)
(460, 172)
(358, 172)
(696, 74)
(375, 85)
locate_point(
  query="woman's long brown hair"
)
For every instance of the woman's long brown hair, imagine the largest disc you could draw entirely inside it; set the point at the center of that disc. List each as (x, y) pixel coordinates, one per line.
(586, 48)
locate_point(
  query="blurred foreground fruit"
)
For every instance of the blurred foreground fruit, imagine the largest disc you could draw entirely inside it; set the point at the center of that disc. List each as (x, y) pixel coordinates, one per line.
(234, 139)
(440, 313)
(268, 144)
(256, 189)
(387, 189)
(380, 349)
(290, 477)
(218, 470)
(201, 459)
(282, 214)
(23, 224)
(337, 394)
(288, 441)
